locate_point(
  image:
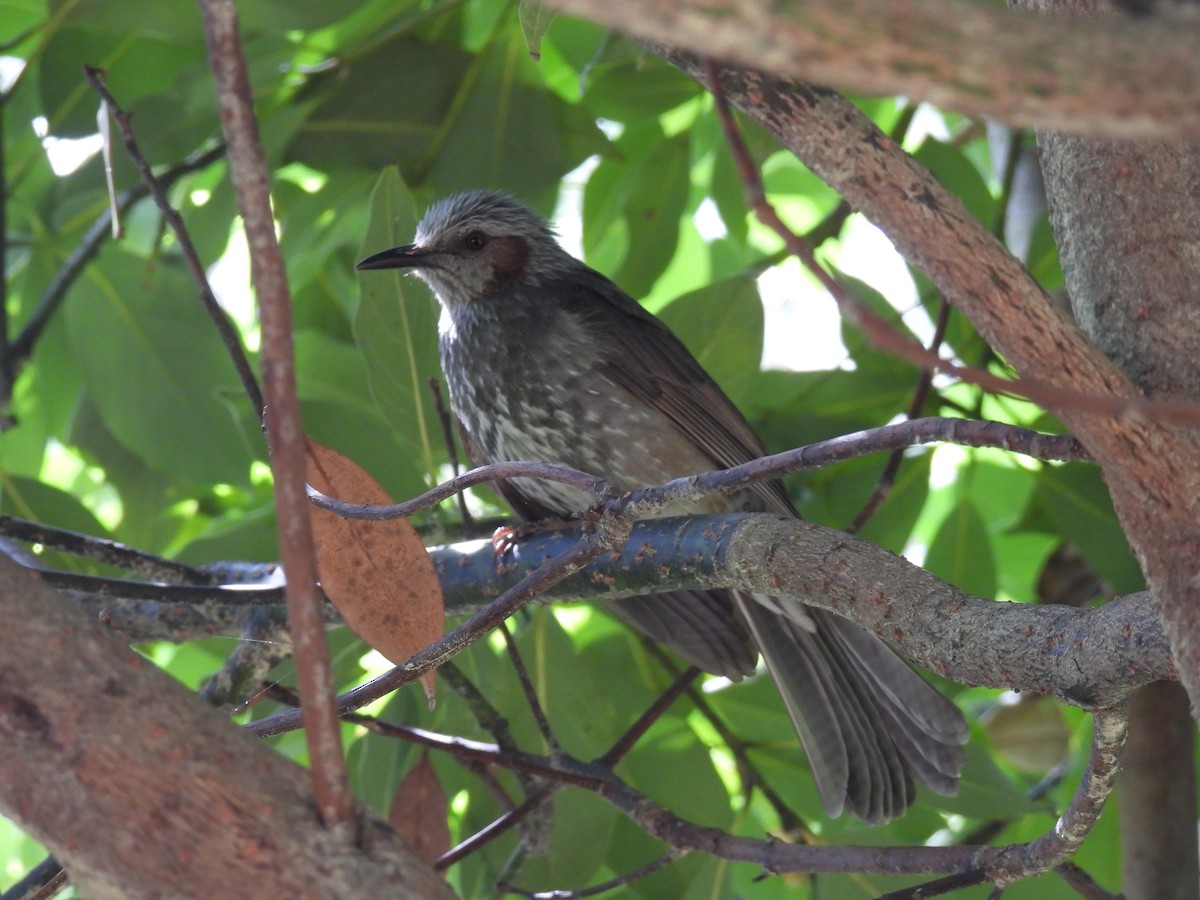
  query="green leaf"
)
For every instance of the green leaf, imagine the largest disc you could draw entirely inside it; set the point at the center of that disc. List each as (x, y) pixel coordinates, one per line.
(535, 22)
(339, 411)
(722, 324)
(26, 498)
(396, 327)
(473, 121)
(160, 20)
(961, 553)
(505, 134)
(638, 90)
(350, 126)
(636, 208)
(157, 372)
(1032, 736)
(1074, 498)
(893, 522)
(136, 66)
(984, 791)
(39, 502)
(580, 841)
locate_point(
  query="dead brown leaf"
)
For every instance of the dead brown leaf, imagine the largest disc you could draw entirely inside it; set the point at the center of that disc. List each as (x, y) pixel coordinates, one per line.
(377, 574)
(418, 812)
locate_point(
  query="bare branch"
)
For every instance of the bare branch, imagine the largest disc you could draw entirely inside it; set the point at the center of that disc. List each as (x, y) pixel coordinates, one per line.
(248, 168)
(138, 562)
(1006, 865)
(1119, 76)
(224, 325)
(1001, 865)
(1088, 657)
(965, 432)
(579, 553)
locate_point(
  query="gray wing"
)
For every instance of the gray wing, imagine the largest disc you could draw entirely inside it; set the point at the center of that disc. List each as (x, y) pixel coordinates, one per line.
(660, 371)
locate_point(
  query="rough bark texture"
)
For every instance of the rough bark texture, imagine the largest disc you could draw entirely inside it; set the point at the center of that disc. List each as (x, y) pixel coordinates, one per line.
(1126, 215)
(1127, 218)
(1157, 797)
(1089, 657)
(1087, 76)
(142, 790)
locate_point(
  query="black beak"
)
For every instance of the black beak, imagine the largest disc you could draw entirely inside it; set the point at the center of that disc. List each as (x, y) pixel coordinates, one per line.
(410, 256)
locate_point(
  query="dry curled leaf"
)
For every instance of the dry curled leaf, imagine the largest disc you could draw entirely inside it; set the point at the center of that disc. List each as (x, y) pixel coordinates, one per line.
(418, 812)
(377, 574)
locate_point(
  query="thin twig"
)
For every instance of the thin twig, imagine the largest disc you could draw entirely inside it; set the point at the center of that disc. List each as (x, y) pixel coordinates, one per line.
(446, 418)
(886, 437)
(248, 169)
(1083, 884)
(966, 432)
(938, 887)
(681, 835)
(491, 471)
(751, 777)
(611, 757)
(87, 248)
(531, 697)
(550, 573)
(629, 877)
(498, 826)
(225, 327)
(887, 478)
(44, 880)
(126, 589)
(649, 716)
(1006, 865)
(102, 550)
(885, 338)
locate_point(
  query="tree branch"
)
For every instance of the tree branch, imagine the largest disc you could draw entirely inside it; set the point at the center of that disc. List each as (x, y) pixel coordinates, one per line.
(248, 168)
(1119, 76)
(141, 789)
(1089, 657)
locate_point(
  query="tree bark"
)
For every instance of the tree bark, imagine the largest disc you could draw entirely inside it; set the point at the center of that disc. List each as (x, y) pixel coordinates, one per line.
(1126, 216)
(1157, 797)
(1121, 76)
(142, 790)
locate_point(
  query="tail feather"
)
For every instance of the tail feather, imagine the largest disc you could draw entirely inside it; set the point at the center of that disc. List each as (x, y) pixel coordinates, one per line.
(928, 730)
(700, 626)
(868, 723)
(828, 700)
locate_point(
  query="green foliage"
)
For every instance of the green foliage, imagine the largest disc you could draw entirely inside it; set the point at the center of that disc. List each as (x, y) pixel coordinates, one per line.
(131, 425)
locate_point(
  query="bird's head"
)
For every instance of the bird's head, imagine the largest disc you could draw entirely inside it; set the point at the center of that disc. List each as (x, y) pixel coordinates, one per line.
(472, 246)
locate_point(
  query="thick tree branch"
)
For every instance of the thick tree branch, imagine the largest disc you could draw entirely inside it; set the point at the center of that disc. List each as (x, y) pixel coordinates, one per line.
(1126, 218)
(143, 790)
(1090, 657)
(1118, 76)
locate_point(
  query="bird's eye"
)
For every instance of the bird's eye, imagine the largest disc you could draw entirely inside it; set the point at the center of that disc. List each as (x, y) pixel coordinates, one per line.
(475, 240)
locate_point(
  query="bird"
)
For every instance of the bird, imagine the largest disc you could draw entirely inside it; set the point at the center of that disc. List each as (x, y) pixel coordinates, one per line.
(547, 359)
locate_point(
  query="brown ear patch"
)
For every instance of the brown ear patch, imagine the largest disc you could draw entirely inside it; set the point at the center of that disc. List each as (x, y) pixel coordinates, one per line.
(509, 256)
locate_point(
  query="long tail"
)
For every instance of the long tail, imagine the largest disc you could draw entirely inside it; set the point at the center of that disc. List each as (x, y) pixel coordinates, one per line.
(867, 722)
